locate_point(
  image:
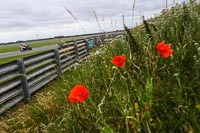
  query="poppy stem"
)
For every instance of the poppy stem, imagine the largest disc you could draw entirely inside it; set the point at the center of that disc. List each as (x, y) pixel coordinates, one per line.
(108, 90)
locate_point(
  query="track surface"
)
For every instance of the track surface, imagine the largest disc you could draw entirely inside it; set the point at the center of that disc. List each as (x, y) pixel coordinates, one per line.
(10, 54)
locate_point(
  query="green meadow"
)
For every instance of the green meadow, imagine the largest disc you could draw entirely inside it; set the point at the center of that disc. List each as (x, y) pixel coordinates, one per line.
(149, 94)
(33, 44)
(36, 44)
(13, 58)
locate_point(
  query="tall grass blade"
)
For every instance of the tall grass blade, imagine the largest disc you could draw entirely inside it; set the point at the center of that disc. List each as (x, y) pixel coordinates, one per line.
(147, 28)
(133, 9)
(104, 23)
(111, 21)
(97, 20)
(135, 48)
(75, 19)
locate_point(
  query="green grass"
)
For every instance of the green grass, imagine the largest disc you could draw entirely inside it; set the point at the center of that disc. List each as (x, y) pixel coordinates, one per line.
(35, 44)
(149, 94)
(10, 59)
(15, 47)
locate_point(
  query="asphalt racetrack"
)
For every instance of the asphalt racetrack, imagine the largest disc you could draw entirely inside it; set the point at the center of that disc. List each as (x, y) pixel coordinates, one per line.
(17, 53)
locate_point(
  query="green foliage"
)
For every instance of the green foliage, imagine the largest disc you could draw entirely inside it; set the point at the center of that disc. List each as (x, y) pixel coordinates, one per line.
(35, 44)
(134, 46)
(148, 31)
(148, 94)
(15, 47)
(13, 58)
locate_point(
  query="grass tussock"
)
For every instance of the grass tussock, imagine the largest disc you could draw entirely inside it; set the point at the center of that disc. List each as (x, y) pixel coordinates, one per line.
(149, 94)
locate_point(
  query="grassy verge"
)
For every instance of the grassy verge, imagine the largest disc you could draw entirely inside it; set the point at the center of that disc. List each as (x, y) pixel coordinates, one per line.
(35, 44)
(15, 47)
(149, 94)
(9, 59)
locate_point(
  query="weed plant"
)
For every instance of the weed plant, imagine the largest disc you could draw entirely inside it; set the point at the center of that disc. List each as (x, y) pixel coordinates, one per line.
(149, 94)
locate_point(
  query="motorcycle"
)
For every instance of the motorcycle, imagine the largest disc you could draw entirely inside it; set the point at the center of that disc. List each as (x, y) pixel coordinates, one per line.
(25, 48)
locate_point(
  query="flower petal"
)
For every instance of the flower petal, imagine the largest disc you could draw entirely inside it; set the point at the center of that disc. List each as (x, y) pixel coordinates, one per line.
(78, 94)
(164, 49)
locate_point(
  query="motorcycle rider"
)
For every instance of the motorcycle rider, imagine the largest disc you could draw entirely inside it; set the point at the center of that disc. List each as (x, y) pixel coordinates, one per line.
(22, 46)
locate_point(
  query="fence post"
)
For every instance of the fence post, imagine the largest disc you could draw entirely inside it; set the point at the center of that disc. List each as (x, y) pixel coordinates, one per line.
(96, 41)
(103, 37)
(87, 46)
(57, 56)
(110, 35)
(24, 81)
(76, 48)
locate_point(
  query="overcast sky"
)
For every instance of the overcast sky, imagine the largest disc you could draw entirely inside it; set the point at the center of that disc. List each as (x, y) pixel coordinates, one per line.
(35, 19)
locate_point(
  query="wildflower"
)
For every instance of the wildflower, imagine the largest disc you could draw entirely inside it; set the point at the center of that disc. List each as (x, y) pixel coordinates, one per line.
(164, 49)
(78, 94)
(198, 106)
(136, 106)
(150, 120)
(119, 61)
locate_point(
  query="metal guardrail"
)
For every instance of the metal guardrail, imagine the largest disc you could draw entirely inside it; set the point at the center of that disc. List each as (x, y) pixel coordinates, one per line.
(21, 78)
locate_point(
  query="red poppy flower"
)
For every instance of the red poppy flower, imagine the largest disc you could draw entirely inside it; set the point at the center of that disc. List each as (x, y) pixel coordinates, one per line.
(119, 61)
(164, 49)
(78, 94)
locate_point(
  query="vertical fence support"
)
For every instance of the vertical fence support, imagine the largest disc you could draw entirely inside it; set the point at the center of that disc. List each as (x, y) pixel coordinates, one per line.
(24, 81)
(76, 48)
(109, 35)
(98, 41)
(103, 37)
(100, 38)
(95, 41)
(87, 46)
(57, 56)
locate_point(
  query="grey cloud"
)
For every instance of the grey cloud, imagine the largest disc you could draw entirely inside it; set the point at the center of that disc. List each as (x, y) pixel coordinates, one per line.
(17, 15)
(26, 17)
